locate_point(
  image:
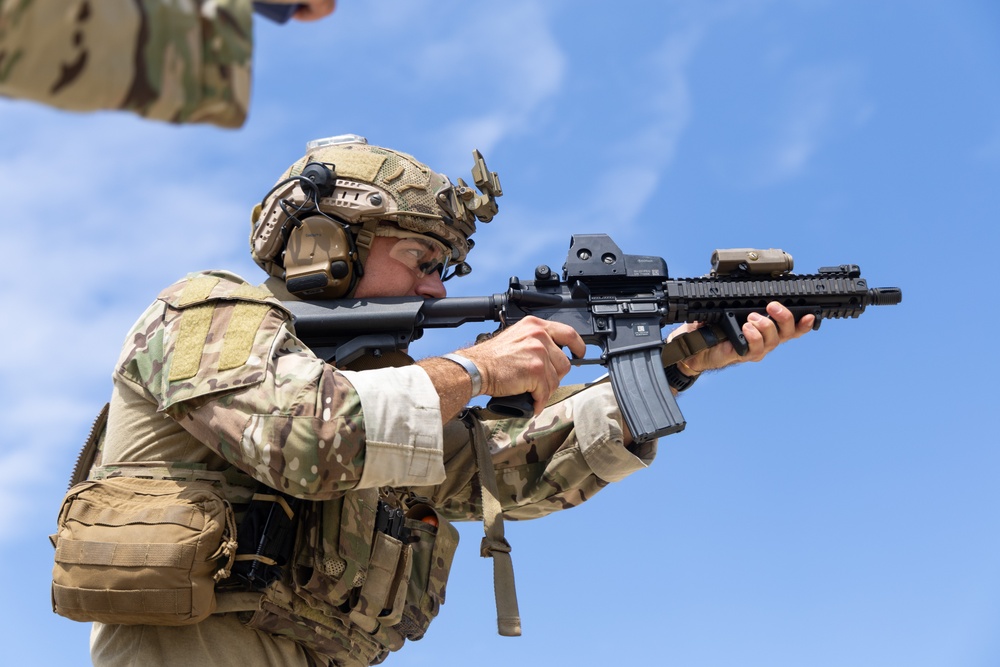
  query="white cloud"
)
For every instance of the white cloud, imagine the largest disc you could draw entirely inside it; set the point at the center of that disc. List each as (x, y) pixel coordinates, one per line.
(505, 74)
(822, 101)
(638, 160)
(99, 213)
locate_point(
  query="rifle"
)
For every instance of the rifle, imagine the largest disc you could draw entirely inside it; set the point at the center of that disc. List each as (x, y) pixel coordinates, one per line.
(615, 301)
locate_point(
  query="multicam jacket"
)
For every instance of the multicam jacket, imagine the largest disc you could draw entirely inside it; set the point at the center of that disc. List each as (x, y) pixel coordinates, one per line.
(174, 61)
(212, 375)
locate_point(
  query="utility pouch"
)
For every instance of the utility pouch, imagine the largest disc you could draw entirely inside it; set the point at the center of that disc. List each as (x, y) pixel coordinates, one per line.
(382, 595)
(337, 539)
(433, 541)
(141, 551)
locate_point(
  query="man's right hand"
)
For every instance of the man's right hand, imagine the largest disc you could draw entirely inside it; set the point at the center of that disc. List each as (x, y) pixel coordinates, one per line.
(526, 358)
(312, 10)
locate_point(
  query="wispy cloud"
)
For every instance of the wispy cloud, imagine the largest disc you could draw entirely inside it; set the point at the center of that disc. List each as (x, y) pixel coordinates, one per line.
(988, 149)
(99, 214)
(607, 183)
(499, 74)
(822, 102)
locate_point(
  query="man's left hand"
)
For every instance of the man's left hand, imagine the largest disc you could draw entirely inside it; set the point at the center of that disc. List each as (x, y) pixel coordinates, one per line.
(763, 335)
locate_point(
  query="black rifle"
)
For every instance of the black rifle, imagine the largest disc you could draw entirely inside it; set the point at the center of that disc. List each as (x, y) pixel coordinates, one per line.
(615, 301)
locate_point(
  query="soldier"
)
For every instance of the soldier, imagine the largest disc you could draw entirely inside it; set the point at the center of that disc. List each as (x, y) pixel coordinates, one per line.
(182, 62)
(372, 463)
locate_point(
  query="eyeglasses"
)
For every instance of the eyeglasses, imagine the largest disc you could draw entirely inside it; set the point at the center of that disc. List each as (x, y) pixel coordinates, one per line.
(422, 255)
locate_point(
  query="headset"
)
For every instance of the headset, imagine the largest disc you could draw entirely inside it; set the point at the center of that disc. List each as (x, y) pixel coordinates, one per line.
(317, 251)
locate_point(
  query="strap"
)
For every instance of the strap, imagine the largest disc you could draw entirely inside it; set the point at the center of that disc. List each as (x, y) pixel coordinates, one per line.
(364, 239)
(688, 344)
(494, 544)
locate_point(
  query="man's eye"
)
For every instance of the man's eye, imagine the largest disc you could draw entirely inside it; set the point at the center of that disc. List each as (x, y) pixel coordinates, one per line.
(427, 268)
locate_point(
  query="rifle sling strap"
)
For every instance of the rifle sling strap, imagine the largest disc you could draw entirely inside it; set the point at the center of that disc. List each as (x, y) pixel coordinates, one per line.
(687, 344)
(494, 544)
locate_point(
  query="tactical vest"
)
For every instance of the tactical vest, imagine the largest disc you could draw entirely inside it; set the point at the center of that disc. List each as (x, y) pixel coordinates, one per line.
(354, 587)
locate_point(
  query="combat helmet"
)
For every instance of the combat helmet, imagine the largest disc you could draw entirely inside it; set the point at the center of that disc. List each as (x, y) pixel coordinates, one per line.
(315, 227)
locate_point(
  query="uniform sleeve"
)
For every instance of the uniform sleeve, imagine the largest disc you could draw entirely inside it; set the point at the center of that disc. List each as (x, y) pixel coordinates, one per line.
(554, 461)
(175, 61)
(233, 374)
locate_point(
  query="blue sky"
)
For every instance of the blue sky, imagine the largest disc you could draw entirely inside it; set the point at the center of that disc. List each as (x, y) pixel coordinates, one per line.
(835, 505)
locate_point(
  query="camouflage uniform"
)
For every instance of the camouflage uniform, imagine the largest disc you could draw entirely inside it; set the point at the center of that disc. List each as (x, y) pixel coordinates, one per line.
(178, 61)
(213, 374)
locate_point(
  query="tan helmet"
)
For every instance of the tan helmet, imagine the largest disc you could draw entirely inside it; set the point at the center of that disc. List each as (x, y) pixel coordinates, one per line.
(314, 228)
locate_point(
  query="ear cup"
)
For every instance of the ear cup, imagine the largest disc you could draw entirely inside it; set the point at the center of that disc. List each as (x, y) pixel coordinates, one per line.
(319, 259)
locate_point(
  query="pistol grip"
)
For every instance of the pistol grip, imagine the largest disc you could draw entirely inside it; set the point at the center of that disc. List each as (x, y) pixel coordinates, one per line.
(518, 406)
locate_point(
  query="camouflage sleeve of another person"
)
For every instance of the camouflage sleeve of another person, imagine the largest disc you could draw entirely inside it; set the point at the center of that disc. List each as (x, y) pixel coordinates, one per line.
(554, 461)
(219, 357)
(182, 62)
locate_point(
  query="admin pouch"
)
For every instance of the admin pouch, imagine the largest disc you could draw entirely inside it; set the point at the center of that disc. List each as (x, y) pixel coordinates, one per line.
(141, 551)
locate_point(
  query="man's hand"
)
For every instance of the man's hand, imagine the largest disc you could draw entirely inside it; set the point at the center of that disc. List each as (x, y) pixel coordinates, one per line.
(763, 335)
(312, 10)
(525, 358)
(309, 10)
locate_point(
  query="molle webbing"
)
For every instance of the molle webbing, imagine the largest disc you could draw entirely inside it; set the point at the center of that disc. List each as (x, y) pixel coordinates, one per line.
(141, 551)
(74, 600)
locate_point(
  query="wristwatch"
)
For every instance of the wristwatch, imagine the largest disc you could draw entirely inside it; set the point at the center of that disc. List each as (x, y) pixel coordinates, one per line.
(470, 368)
(678, 380)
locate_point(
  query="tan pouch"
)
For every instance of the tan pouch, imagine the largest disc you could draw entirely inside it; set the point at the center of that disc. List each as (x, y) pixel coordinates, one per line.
(136, 551)
(336, 545)
(382, 595)
(433, 541)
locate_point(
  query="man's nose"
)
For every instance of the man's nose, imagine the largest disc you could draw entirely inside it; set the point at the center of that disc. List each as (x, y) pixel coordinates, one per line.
(431, 287)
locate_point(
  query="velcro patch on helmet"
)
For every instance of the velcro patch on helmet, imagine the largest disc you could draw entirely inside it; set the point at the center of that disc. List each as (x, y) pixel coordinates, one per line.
(359, 165)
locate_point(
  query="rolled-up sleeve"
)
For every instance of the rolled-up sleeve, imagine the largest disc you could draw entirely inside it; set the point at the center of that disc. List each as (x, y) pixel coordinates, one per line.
(404, 441)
